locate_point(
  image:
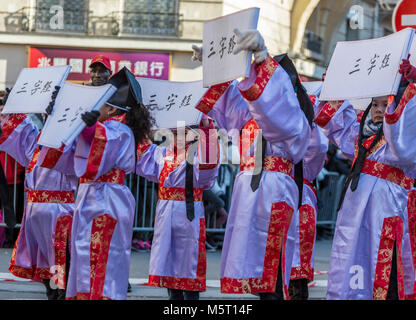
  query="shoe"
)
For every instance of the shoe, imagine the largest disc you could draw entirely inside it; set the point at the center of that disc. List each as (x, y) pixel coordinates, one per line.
(147, 246)
(138, 246)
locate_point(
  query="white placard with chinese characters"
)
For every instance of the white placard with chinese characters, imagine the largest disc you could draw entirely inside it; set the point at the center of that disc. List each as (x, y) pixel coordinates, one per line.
(170, 102)
(65, 123)
(219, 64)
(33, 89)
(366, 68)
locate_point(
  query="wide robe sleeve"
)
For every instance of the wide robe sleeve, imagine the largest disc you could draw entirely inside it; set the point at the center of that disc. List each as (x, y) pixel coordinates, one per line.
(339, 123)
(112, 147)
(19, 137)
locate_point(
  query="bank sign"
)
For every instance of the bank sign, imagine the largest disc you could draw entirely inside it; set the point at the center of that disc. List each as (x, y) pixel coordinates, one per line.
(141, 64)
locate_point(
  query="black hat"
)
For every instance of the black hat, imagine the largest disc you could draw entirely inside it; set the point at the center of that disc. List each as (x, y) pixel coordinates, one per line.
(128, 91)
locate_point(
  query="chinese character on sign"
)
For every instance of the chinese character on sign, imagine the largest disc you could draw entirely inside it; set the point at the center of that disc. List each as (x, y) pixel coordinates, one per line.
(23, 88)
(373, 63)
(47, 87)
(36, 87)
(231, 44)
(211, 50)
(185, 101)
(156, 66)
(140, 68)
(171, 101)
(152, 105)
(356, 67)
(77, 113)
(59, 61)
(76, 65)
(64, 116)
(44, 62)
(87, 65)
(385, 62)
(223, 46)
(124, 63)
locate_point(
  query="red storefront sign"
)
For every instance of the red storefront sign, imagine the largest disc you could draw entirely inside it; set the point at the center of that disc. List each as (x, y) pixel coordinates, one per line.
(141, 64)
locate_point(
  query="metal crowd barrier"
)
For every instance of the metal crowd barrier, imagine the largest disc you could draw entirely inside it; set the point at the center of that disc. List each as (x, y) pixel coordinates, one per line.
(329, 197)
(145, 194)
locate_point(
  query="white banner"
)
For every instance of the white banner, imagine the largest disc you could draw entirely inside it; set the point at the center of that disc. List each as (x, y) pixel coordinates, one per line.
(367, 68)
(33, 89)
(65, 123)
(170, 101)
(219, 64)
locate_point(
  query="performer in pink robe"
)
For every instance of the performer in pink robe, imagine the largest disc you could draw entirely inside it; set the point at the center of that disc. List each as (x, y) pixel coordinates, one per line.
(40, 251)
(104, 209)
(178, 258)
(367, 252)
(302, 231)
(253, 254)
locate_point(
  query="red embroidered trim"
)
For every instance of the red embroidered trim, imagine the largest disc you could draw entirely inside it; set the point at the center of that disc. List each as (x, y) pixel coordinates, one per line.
(62, 238)
(280, 217)
(313, 98)
(116, 176)
(34, 160)
(411, 213)
(196, 284)
(52, 157)
(360, 116)
(85, 296)
(120, 118)
(367, 143)
(408, 95)
(174, 193)
(249, 133)
(392, 229)
(141, 148)
(48, 196)
(264, 73)
(311, 186)
(34, 273)
(96, 152)
(101, 233)
(271, 163)
(10, 125)
(211, 97)
(327, 112)
(386, 172)
(307, 229)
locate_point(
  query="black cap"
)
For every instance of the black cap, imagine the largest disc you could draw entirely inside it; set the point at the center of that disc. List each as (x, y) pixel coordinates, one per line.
(128, 91)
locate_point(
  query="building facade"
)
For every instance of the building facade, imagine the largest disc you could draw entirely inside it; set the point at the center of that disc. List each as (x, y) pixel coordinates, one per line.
(154, 37)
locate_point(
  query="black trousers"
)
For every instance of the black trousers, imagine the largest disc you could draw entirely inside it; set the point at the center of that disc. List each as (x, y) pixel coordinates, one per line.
(54, 293)
(176, 294)
(298, 289)
(393, 291)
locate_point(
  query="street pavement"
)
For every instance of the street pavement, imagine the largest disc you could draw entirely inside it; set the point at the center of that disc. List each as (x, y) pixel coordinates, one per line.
(13, 288)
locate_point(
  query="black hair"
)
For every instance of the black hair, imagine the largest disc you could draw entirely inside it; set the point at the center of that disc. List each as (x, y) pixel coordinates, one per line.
(140, 121)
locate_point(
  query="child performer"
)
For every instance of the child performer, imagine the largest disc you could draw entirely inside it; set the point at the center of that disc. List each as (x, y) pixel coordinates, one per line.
(178, 258)
(302, 231)
(41, 249)
(367, 253)
(265, 195)
(104, 209)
